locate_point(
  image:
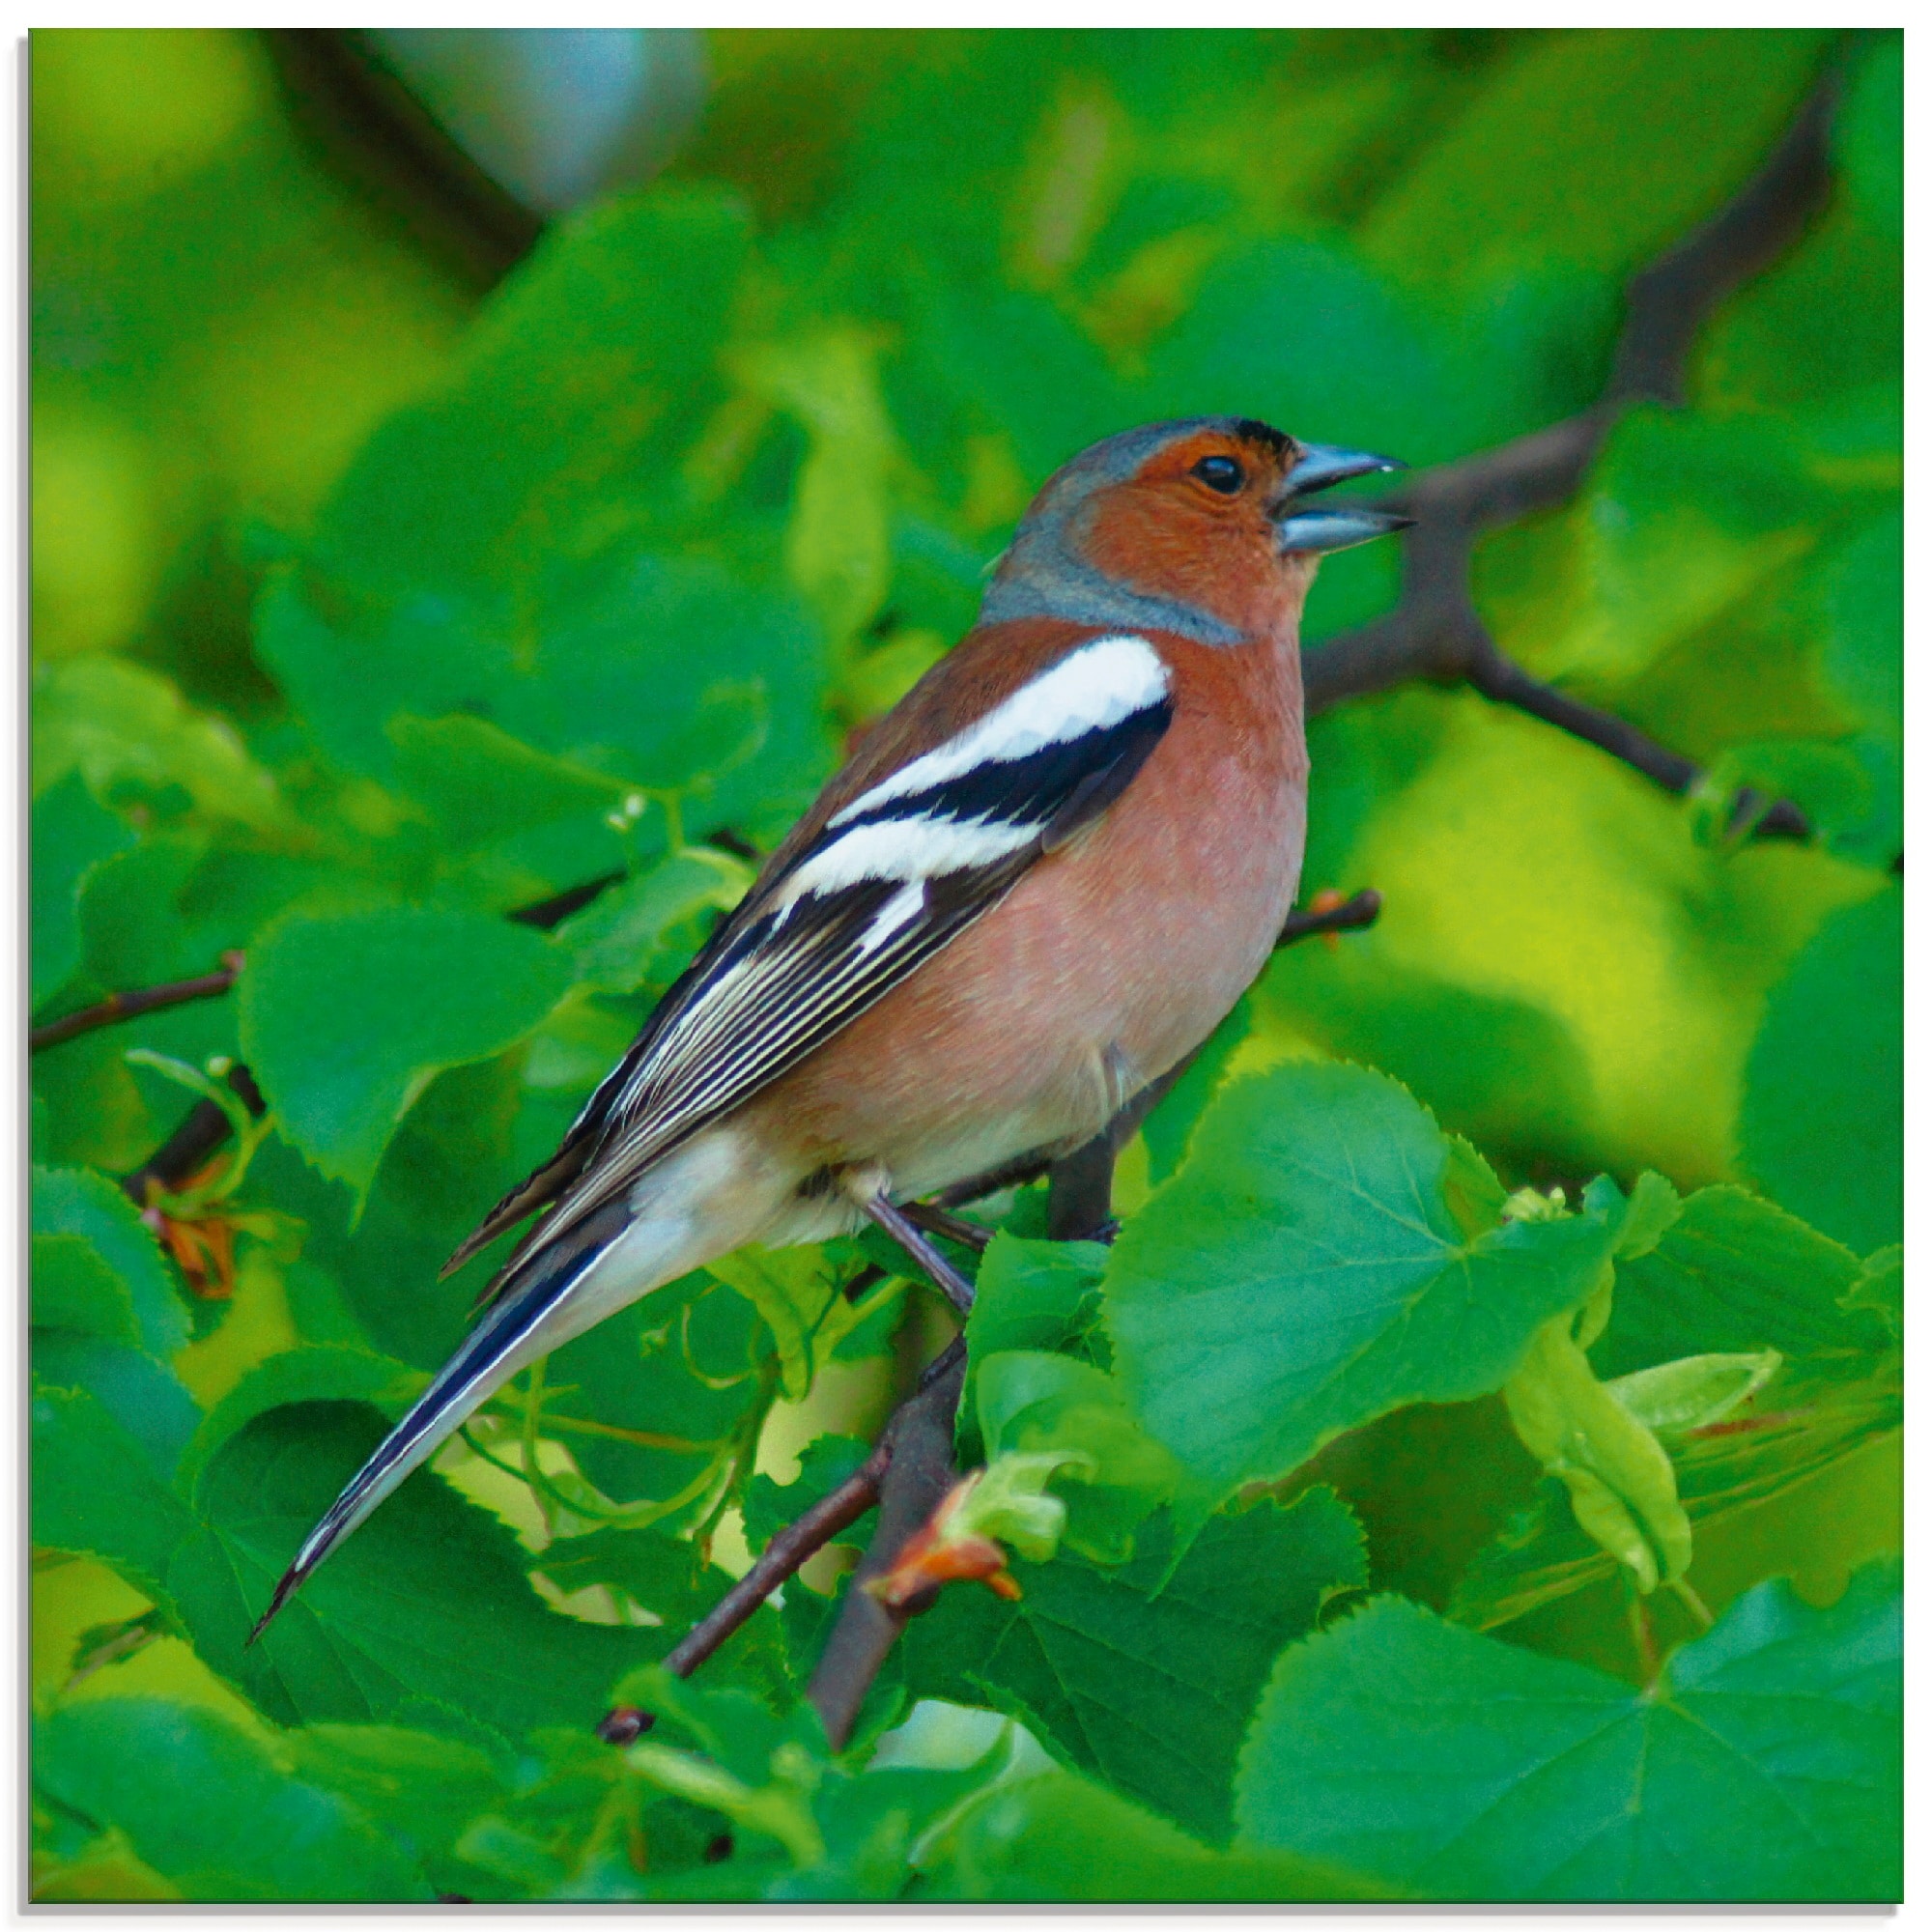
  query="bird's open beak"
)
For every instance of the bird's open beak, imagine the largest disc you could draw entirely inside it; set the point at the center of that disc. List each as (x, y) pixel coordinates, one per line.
(1333, 526)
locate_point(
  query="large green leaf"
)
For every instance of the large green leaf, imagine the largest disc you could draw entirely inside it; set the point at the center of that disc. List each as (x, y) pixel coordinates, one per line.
(1823, 1117)
(1306, 1271)
(1765, 1766)
(215, 1809)
(1145, 1674)
(527, 550)
(426, 1608)
(346, 1019)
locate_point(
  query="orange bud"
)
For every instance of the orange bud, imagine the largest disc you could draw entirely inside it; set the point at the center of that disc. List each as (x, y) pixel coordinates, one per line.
(936, 1553)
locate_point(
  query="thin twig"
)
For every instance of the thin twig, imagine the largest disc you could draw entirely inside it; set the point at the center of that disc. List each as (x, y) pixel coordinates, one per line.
(781, 1558)
(138, 1000)
(1349, 916)
(941, 1221)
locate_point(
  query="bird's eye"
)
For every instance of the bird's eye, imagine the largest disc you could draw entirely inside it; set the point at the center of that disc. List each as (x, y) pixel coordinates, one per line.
(1221, 472)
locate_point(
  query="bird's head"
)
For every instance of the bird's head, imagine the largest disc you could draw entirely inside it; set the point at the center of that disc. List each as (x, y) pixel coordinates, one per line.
(1202, 526)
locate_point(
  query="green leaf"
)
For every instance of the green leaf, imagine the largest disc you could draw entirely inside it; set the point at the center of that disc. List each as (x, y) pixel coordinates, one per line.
(1766, 1766)
(797, 1292)
(479, 782)
(215, 1809)
(79, 1202)
(1143, 1676)
(1863, 657)
(71, 833)
(1037, 1295)
(346, 1019)
(1304, 1272)
(1735, 1274)
(1026, 1400)
(95, 1493)
(298, 1374)
(1684, 516)
(665, 1575)
(837, 545)
(530, 547)
(131, 926)
(1622, 1488)
(1550, 161)
(426, 1608)
(1881, 1287)
(614, 937)
(120, 724)
(1821, 1125)
(144, 1396)
(420, 1787)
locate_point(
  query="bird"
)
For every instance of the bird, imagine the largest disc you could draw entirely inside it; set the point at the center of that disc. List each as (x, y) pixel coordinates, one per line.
(1036, 884)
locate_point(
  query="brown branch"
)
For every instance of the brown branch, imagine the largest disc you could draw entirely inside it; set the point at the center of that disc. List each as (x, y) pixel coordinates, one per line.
(1435, 632)
(781, 1558)
(185, 1150)
(916, 1480)
(1353, 915)
(139, 1000)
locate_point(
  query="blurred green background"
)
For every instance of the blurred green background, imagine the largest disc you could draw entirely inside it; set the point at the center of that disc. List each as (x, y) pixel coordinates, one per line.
(407, 551)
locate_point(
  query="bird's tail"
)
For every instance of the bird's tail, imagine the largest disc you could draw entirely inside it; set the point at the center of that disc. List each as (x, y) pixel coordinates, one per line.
(538, 1314)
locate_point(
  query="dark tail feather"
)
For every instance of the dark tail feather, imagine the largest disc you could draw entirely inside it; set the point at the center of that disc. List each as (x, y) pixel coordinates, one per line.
(487, 1358)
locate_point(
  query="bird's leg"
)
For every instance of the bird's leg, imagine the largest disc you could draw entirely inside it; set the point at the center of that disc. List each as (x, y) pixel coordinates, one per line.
(937, 1220)
(867, 1188)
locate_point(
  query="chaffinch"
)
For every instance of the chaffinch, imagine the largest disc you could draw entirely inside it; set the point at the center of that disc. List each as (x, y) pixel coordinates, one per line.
(1040, 882)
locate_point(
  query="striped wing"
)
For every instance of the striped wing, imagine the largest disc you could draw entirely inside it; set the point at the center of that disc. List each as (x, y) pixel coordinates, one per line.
(889, 880)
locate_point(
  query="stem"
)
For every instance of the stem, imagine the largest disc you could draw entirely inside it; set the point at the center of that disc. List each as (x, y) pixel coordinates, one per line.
(139, 1000)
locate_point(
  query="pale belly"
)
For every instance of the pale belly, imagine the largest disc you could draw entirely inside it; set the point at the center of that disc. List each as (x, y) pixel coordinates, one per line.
(1107, 964)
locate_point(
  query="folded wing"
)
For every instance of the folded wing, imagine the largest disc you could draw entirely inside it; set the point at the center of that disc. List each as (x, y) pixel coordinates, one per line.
(888, 880)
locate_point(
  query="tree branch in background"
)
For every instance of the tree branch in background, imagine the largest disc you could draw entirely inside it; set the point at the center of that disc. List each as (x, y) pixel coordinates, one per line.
(1435, 632)
(141, 1000)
